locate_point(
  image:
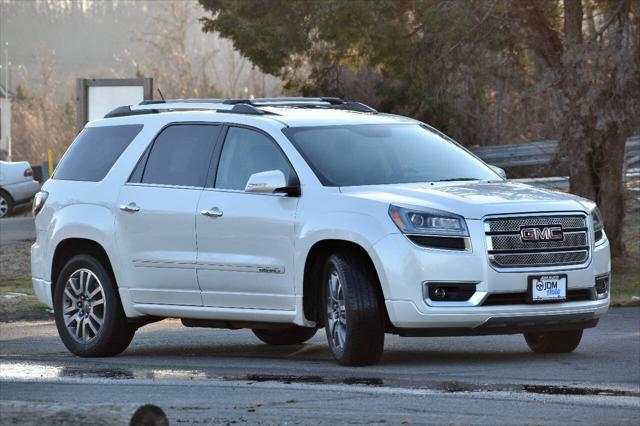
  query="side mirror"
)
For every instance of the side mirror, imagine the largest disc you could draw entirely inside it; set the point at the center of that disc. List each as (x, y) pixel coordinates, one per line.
(271, 182)
(500, 171)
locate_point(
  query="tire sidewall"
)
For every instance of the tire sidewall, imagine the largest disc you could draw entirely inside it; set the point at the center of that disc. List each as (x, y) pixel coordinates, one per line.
(112, 308)
(334, 263)
(554, 342)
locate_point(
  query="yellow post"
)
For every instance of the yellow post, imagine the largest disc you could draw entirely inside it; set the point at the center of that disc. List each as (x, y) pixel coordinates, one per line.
(50, 160)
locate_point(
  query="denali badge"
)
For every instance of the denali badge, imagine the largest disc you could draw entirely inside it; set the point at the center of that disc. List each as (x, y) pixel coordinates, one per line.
(553, 233)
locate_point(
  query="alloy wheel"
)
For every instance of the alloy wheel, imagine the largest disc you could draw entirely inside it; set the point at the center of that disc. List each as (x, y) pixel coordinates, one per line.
(4, 206)
(336, 311)
(83, 305)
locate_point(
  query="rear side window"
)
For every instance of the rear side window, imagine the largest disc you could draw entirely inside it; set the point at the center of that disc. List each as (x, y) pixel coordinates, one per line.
(94, 152)
(181, 155)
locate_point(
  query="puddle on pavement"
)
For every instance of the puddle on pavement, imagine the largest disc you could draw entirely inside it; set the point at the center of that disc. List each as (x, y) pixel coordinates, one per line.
(34, 371)
(366, 381)
(567, 390)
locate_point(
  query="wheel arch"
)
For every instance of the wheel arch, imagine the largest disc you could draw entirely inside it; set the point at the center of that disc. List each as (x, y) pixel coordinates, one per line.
(314, 262)
(70, 247)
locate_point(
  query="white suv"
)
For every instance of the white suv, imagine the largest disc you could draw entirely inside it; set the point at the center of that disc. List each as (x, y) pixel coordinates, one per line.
(291, 214)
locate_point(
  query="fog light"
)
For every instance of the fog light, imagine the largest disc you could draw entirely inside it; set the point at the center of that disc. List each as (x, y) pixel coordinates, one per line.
(440, 293)
(602, 286)
(449, 292)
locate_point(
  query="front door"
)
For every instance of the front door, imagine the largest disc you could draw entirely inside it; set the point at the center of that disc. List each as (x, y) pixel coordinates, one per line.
(157, 215)
(246, 240)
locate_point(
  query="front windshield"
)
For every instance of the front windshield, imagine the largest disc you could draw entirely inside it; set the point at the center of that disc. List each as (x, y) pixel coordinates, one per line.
(377, 154)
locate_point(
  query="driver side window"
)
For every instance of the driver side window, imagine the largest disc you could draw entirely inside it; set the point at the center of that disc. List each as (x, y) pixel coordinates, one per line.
(244, 153)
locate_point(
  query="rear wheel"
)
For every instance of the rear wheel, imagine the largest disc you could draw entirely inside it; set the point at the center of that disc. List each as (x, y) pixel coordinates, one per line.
(6, 204)
(88, 314)
(554, 341)
(285, 336)
(354, 320)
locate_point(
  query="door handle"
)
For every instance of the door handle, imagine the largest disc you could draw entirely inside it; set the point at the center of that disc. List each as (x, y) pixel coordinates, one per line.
(214, 212)
(131, 208)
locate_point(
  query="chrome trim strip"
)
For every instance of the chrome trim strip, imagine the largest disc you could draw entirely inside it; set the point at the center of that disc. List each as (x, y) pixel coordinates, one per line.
(139, 263)
(160, 185)
(264, 269)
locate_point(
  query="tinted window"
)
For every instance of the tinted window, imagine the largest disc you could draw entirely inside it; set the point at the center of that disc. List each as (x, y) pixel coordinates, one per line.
(244, 153)
(94, 152)
(375, 154)
(181, 155)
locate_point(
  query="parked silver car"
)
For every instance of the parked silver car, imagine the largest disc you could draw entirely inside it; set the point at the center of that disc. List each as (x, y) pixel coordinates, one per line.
(16, 185)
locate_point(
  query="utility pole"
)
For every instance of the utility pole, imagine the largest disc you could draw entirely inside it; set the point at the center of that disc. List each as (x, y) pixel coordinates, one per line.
(6, 95)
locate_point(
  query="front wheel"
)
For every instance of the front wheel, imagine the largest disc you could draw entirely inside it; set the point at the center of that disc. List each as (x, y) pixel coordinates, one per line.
(88, 314)
(292, 335)
(554, 342)
(354, 319)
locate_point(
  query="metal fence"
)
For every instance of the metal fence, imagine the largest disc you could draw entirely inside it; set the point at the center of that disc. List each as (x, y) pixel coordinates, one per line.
(538, 153)
(544, 153)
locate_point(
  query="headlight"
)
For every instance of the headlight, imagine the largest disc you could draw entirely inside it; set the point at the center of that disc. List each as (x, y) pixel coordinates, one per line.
(428, 222)
(598, 224)
(38, 202)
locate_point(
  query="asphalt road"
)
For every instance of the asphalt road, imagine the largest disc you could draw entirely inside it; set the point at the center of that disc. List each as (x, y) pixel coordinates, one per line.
(16, 229)
(203, 376)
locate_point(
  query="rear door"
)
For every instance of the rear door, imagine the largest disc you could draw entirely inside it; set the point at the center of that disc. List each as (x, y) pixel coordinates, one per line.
(245, 250)
(156, 219)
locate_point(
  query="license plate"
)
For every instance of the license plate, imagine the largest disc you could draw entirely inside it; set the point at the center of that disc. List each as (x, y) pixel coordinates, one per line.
(544, 288)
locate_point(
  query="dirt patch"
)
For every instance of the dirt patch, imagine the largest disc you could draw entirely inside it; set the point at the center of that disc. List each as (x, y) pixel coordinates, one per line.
(15, 259)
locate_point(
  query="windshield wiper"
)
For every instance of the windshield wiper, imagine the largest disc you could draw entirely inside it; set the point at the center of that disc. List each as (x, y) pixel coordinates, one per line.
(455, 179)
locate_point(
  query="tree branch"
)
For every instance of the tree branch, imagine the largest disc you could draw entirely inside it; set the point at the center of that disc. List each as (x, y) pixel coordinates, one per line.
(612, 18)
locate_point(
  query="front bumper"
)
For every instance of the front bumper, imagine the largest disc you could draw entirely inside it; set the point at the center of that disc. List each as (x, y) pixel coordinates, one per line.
(403, 267)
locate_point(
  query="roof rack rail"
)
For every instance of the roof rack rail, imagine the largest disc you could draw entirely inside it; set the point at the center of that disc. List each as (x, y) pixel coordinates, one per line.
(154, 107)
(236, 106)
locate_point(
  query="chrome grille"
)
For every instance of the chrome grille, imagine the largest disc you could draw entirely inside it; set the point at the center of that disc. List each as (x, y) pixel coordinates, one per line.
(506, 249)
(539, 259)
(514, 224)
(513, 242)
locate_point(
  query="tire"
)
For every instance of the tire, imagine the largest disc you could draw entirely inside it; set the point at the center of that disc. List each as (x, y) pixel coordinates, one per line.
(6, 204)
(78, 311)
(554, 342)
(293, 335)
(353, 312)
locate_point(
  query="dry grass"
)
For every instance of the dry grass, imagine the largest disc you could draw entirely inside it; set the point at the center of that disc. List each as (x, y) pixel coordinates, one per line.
(625, 282)
(17, 298)
(18, 302)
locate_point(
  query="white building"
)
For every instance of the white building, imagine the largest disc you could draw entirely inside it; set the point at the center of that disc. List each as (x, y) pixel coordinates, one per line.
(5, 122)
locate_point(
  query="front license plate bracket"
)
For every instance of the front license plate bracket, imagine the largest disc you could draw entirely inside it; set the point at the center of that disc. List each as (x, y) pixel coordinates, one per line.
(547, 288)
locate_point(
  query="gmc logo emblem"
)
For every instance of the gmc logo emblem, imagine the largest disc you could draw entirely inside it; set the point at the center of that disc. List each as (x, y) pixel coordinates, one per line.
(546, 233)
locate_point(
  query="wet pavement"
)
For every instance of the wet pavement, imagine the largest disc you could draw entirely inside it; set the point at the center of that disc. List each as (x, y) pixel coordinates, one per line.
(202, 376)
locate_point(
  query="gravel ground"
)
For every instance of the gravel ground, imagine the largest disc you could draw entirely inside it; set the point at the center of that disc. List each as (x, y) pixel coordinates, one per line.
(15, 259)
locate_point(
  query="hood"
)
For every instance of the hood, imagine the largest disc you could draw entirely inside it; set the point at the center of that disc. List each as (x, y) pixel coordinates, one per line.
(473, 200)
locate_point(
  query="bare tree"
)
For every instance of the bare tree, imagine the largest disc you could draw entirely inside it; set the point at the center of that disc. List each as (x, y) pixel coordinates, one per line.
(178, 67)
(185, 62)
(39, 122)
